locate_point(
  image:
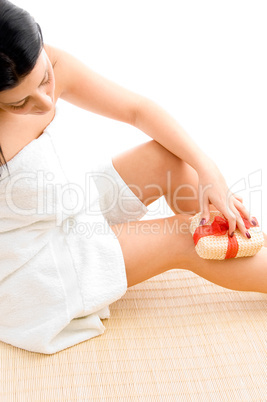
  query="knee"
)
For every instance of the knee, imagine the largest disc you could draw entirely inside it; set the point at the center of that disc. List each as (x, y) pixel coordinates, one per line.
(166, 158)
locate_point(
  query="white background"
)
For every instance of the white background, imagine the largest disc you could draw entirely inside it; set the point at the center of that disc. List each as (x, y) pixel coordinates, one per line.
(203, 61)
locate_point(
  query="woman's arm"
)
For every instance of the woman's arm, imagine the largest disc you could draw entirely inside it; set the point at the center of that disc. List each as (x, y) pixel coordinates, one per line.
(86, 89)
(158, 124)
(213, 189)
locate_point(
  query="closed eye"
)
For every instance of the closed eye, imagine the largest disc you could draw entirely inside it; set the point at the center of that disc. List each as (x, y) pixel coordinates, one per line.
(47, 82)
(19, 107)
(24, 104)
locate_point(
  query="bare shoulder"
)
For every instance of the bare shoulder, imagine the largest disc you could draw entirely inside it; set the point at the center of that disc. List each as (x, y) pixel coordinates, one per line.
(55, 56)
(80, 85)
(64, 65)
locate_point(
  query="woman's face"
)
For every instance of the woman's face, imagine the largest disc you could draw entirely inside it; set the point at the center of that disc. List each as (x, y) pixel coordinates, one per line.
(35, 94)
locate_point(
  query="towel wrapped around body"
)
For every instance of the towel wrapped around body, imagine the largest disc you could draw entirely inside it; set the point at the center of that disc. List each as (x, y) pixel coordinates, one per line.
(56, 278)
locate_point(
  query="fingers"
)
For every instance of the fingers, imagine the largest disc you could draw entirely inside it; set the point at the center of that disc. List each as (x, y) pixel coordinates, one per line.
(233, 214)
(205, 211)
(235, 221)
(235, 218)
(241, 208)
(238, 197)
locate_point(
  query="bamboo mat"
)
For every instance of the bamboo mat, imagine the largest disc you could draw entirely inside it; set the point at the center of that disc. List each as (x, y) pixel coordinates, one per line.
(175, 337)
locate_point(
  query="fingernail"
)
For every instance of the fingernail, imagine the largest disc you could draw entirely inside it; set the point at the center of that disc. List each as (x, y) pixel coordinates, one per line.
(248, 235)
(253, 222)
(231, 235)
(202, 221)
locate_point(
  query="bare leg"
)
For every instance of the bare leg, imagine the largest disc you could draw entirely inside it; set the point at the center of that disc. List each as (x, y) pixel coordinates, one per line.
(155, 246)
(151, 171)
(151, 247)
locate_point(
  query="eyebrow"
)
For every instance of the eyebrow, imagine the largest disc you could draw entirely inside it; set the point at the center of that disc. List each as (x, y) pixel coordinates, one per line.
(15, 103)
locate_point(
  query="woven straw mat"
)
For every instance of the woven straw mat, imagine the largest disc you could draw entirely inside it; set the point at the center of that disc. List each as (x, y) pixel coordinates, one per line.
(174, 337)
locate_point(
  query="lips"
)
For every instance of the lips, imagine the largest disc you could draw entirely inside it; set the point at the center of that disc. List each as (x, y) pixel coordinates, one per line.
(40, 112)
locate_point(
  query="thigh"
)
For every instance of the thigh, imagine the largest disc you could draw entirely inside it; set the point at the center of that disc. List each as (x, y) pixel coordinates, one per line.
(151, 171)
(151, 247)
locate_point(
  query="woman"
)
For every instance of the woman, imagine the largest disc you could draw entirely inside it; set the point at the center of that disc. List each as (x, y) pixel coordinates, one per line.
(41, 293)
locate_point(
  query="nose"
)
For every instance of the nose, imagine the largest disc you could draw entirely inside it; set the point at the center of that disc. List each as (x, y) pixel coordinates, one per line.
(43, 102)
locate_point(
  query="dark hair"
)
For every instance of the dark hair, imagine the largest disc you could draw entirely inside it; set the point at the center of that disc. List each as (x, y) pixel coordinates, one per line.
(21, 42)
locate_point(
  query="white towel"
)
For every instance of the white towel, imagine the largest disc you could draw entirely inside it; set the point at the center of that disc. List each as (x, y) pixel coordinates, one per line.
(61, 265)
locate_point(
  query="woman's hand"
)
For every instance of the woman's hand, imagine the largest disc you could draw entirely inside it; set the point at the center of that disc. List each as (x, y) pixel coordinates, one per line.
(214, 190)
